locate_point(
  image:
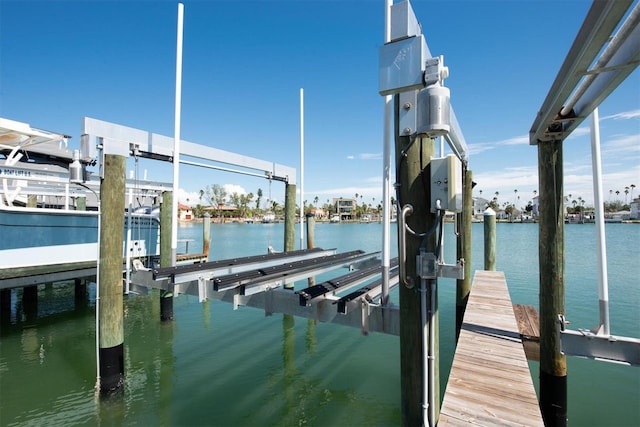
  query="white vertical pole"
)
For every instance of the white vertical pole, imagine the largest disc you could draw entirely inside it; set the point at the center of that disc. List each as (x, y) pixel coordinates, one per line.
(176, 139)
(601, 244)
(127, 279)
(301, 168)
(386, 171)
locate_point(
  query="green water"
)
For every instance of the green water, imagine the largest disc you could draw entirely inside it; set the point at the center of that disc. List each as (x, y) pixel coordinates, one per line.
(216, 366)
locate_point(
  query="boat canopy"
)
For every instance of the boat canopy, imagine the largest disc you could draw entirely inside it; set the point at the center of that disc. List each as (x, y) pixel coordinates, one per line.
(16, 136)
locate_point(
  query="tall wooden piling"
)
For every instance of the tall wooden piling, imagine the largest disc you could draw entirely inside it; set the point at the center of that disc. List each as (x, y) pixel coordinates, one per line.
(311, 237)
(32, 201)
(289, 222)
(206, 234)
(553, 364)
(463, 250)
(166, 296)
(489, 218)
(413, 160)
(111, 324)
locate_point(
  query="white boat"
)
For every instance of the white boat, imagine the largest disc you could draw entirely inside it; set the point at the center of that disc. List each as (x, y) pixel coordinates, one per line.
(47, 222)
(268, 218)
(335, 218)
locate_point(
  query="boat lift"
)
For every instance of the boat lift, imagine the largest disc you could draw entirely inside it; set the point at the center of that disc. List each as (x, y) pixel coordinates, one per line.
(596, 64)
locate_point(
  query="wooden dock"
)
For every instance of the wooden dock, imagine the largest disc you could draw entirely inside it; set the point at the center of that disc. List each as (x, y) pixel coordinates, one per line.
(490, 382)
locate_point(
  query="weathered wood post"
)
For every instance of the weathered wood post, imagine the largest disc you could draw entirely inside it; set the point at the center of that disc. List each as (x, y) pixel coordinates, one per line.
(166, 296)
(489, 218)
(30, 301)
(414, 161)
(32, 201)
(289, 222)
(80, 291)
(206, 234)
(5, 306)
(81, 203)
(111, 323)
(311, 237)
(553, 364)
(463, 287)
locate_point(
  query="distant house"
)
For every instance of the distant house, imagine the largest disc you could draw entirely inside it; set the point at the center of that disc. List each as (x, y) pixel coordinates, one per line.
(345, 208)
(185, 213)
(479, 206)
(635, 209)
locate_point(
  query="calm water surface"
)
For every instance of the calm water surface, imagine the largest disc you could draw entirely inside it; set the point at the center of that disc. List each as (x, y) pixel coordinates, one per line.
(216, 366)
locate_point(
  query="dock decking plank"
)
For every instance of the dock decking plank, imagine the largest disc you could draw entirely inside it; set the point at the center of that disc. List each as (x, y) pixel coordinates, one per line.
(490, 383)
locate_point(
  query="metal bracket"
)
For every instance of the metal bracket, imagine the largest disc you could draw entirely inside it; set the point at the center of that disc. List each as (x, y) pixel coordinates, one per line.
(606, 348)
(429, 268)
(452, 271)
(202, 289)
(365, 312)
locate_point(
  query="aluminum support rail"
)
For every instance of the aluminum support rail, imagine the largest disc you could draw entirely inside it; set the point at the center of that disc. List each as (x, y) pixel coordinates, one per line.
(588, 344)
(327, 289)
(118, 139)
(369, 293)
(601, 20)
(250, 282)
(188, 274)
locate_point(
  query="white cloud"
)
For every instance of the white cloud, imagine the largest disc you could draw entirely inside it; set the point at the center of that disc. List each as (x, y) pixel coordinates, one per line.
(233, 188)
(365, 156)
(626, 115)
(190, 198)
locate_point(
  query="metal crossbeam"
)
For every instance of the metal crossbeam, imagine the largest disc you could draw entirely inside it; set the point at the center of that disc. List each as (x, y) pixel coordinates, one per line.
(121, 140)
(601, 20)
(606, 348)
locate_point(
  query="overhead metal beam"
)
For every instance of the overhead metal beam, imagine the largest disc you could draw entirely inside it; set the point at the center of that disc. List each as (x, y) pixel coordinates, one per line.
(118, 139)
(601, 20)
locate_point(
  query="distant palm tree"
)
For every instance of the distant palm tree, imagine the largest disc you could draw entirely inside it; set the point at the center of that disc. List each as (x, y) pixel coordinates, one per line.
(632, 187)
(626, 192)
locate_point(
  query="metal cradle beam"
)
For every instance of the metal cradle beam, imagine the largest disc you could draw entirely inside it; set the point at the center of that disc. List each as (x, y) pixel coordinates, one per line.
(123, 140)
(577, 89)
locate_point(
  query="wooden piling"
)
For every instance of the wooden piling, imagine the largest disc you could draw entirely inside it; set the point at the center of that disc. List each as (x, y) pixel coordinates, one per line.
(206, 234)
(311, 237)
(289, 222)
(463, 250)
(30, 301)
(166, 296)
(553, 364)
(111, 326)
(489, 218)
(413, 160)
(80, 290)
(5, 306)
(32, 201)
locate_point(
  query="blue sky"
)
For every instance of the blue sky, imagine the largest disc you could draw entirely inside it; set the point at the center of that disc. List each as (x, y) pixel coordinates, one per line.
(245, 62)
